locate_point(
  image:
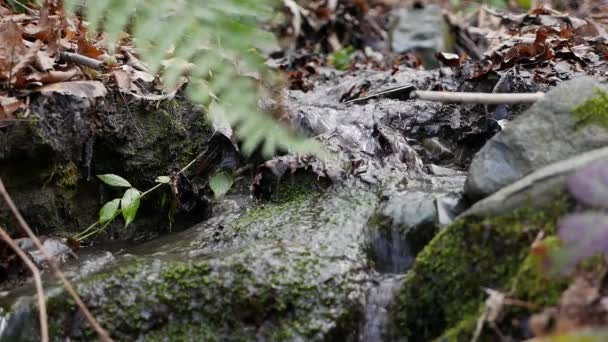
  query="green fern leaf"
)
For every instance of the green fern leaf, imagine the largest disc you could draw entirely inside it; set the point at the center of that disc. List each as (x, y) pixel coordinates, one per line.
(210, 42)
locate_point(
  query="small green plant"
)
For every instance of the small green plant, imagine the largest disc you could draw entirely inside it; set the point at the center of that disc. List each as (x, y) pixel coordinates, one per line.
(128, 205)
(342, 58)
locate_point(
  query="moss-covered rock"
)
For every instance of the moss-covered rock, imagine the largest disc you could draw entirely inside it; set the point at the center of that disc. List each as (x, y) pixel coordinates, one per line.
(444, 288)
(267, 291)
(283, 271)
(530, 285)
(49, 165)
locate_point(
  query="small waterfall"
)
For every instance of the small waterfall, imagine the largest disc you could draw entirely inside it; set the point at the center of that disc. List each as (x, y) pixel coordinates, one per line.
(379, 299)
(390, 252)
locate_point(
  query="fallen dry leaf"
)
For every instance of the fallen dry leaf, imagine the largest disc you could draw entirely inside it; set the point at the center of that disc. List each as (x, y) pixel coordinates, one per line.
(27, 59)
(53, 76)
(9, 105)
(123, 80)
(87, 49)
(44, 61)
(11, 46)
(82, 89)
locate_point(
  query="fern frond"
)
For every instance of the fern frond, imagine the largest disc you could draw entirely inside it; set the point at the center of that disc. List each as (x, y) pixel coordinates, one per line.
(207, 39)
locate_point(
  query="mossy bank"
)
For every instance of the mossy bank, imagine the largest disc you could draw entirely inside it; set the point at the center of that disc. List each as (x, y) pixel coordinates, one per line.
(49, 164)
(443, 293)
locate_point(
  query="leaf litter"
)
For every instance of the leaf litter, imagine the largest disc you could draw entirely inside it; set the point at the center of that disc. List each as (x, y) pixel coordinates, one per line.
(45, 47)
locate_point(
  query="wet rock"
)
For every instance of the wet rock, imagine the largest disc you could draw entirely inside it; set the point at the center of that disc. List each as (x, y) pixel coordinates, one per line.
(448, 207)
(383, 138)
(443, 171)
(407, 219)
(57, 249)
(538, 189)
(545, 133)
(436, 150)
(282, 271)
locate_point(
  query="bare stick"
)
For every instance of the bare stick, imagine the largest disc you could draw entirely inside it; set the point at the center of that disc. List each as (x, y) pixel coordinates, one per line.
(103, 335)
(481, 98)
(44, 326)
(75, 58)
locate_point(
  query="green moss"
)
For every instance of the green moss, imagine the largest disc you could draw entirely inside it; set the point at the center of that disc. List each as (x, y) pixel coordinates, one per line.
(185, 332)
(229, 299)
(68, 175)
(532, 284)
(290, 195)
(461, 332)
(446, 281)
(64, 175)
(593, 112)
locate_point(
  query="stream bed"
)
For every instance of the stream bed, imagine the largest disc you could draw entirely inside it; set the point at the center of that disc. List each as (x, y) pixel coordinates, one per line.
(373, 243)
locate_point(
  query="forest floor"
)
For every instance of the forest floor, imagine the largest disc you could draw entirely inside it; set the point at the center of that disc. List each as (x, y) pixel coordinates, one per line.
(378, 243)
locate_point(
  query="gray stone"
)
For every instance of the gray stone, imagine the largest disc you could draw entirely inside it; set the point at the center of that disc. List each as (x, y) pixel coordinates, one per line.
(407, 219)
(284, 271)
(537, 190)
(544, 134)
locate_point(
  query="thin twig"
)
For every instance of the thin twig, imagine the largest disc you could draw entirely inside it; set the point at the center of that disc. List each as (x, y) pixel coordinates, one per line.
(481, 98)
(76, 58)
(10, 71)
(103, 335)
(43, 317)
(130, 115)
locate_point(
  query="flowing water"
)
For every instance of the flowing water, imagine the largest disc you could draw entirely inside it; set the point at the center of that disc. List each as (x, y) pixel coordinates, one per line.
(379, 299)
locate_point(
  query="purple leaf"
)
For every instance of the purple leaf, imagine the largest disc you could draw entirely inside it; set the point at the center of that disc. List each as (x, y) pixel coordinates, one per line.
(584, 234)
(590, 185)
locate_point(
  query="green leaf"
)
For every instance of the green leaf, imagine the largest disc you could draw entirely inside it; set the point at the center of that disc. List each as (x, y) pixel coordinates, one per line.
(114, 180)
(163, 179)
(108, 211)
(129, 205)
(220, 183)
